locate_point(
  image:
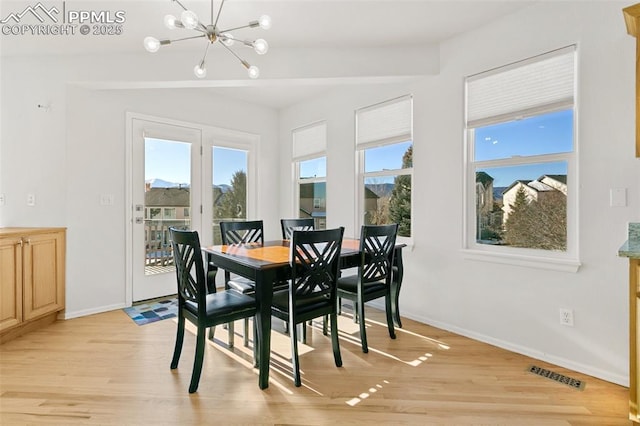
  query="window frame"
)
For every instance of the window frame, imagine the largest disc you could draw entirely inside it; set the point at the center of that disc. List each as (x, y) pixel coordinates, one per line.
(361, 175)
(311, 147)
(566, 261)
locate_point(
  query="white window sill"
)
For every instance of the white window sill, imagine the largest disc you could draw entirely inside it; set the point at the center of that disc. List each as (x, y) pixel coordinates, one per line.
(536, 262)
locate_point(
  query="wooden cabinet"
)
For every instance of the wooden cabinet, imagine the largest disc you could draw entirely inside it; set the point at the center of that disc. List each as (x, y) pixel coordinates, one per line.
(32, 278)
(634, 336)
(632, 21)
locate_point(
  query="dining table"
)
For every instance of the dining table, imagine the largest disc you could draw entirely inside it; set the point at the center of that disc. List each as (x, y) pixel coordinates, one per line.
(268, 263)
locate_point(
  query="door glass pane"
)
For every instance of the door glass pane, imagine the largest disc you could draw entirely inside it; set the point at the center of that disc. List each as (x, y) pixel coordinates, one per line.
(167, 174)
(229, 187)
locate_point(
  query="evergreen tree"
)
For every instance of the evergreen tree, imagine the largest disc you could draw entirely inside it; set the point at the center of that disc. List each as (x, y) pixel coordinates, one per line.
(538, 224)
(400, 202)
(233, 203)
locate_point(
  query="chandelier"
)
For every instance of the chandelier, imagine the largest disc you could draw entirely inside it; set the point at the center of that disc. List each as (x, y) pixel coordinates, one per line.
(212, 33)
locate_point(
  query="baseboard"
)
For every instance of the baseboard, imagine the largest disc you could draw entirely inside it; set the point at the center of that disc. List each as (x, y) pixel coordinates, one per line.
(83, 313)
(522, 350)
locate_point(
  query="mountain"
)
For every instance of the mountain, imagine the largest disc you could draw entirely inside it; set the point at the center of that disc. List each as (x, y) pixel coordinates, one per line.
(161, 183)
(497, 192)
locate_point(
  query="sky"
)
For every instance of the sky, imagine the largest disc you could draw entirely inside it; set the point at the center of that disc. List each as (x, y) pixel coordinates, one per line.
(171, 161)
(543, 134)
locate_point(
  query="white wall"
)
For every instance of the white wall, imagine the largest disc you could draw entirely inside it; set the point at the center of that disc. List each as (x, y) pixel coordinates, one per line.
(70, 155)
(510, 306)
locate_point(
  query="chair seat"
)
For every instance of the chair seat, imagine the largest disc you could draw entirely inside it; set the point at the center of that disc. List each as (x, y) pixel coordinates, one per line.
(280, 302)
(349, 284)
(224, 303)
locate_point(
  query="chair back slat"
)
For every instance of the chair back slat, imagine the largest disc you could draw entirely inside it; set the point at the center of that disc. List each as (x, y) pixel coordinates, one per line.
(290, 225)
(315, 263)
(189, 265)
(245, 232)
(377, 244)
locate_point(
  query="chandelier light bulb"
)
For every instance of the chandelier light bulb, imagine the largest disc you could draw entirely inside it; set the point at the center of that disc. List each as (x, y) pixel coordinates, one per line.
(199, 70)
(189, 19)
(261, 46)
(265, 22)
(227, 39)
(152, 44)
(254, 72)
(170, 21)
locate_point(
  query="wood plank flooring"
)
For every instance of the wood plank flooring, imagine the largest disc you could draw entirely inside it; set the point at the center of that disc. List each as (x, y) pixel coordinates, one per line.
(106, 370)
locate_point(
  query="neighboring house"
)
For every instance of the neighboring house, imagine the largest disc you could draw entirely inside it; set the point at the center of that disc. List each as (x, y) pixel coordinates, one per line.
(484, 193)
(535, 190)
(484, 203)
(313, 203)
(164, 207)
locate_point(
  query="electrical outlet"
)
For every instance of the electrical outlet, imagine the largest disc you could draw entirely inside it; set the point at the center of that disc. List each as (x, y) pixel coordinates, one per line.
(566, 317)
(31, 200)
(3, 199)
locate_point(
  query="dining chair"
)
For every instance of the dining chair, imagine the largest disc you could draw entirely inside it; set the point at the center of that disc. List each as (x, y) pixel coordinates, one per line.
(290, 225)
(374, 277)
(234, 233)
(196, 304)
(312, 292)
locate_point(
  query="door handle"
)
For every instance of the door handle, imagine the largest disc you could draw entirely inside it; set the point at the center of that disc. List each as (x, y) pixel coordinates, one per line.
(139, 220)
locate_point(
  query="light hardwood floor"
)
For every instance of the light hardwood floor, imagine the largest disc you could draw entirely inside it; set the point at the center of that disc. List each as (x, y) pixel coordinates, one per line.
(104, 369)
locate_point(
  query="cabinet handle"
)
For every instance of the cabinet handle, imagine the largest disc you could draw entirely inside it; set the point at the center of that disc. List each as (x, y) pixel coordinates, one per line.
(21, 242)
(28, 241)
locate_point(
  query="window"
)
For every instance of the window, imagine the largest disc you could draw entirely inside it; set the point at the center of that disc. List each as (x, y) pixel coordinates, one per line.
(310, 169)
(384, 142)
(521, 180)
(169, 212)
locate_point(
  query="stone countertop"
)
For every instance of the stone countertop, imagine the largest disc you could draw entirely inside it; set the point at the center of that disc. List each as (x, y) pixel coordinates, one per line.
(631, 248)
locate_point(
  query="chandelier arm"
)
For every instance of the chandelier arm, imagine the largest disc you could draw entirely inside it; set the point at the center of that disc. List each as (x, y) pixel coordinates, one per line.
(189, 38)
(181, 5)
(248, 43)
(215, 24)
(242, 61)
(250, 25)
(206, 50)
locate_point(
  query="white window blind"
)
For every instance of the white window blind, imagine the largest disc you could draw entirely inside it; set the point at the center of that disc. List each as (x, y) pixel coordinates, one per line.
(532, 86)
(309, 140)
(385, 122)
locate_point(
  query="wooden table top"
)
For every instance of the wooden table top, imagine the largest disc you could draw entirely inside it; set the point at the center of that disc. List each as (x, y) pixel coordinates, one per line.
(272, 253)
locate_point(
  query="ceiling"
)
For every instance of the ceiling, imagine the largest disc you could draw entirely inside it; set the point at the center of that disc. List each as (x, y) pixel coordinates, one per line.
(352, 24)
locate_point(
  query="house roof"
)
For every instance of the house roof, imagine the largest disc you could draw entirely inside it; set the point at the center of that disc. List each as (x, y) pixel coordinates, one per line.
(167, 197)
(483, 178)
(523, 182)
(559, 178)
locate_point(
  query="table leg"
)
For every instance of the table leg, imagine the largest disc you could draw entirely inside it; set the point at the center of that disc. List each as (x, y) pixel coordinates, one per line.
(264, 295)
(396, 283)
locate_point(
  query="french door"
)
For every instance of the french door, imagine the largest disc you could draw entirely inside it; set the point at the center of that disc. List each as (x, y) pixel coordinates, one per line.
(186, 176)
(166, 192)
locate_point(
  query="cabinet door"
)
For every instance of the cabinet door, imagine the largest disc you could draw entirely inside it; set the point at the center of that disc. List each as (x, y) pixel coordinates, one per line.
(43, 274)
(634, 340)
(10, 283)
